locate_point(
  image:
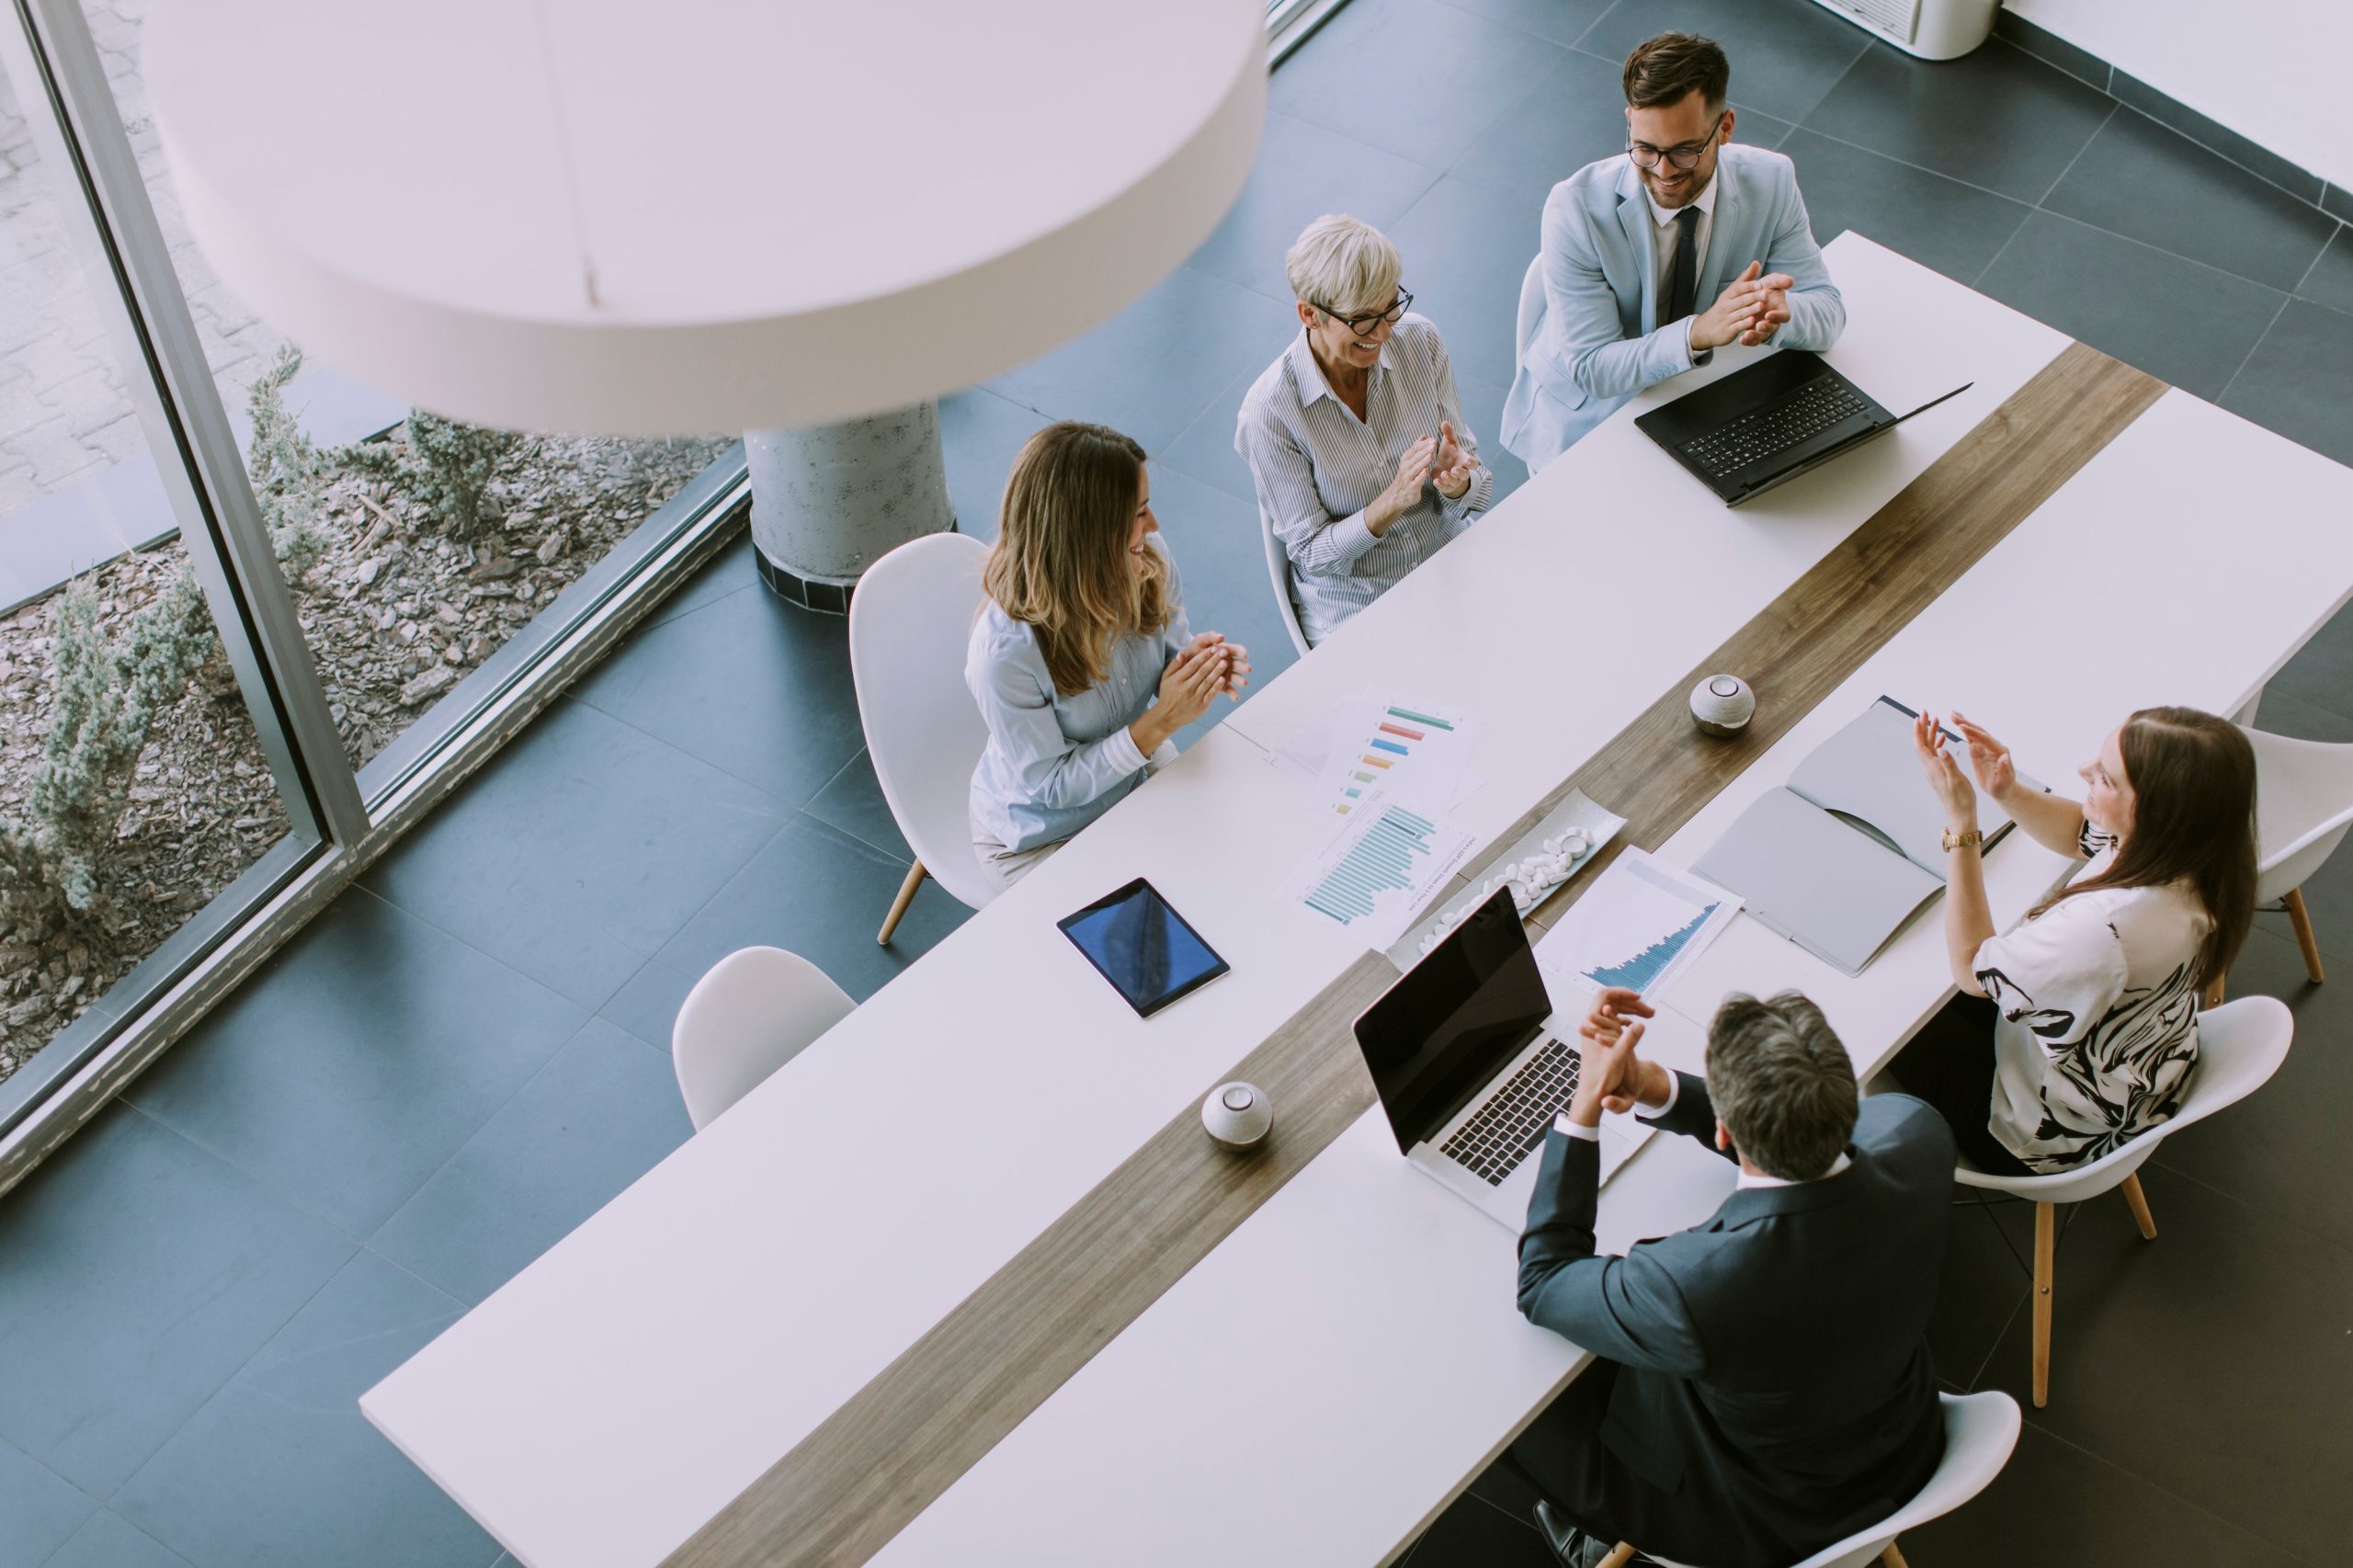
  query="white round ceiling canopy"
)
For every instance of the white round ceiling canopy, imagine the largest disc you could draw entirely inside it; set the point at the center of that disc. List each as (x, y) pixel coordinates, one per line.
(673, 217)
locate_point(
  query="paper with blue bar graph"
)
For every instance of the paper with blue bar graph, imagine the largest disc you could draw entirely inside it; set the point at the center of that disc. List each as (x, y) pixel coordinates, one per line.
(1639, 926)
(1382, 862)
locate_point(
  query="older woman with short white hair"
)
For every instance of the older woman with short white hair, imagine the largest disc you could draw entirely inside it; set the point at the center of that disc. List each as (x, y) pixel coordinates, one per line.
(1354, 435)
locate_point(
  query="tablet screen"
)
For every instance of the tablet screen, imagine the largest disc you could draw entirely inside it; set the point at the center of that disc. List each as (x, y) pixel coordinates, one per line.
(1143, 946)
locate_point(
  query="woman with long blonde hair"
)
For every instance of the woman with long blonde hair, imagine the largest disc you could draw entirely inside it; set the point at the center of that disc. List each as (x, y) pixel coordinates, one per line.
(1080, 658)
(2076, 1030)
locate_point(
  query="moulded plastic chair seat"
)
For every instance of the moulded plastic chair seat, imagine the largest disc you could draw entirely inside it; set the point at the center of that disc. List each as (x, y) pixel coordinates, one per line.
(1981, 1430)
(2303, 807)
(909, 623)
(1278, 570)
(2240, 1046)
(756, 1010)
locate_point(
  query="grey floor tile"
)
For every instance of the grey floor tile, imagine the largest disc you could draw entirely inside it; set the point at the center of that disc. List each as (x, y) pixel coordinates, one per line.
(2299, 380)
(357, 1061)
(1466, 249)
(1413, 77)
(2214, 1362)
(980, 435)
(1557, 21)
(1985, 1284)
(730, 572)
(2281, 1150)
(1303, 172)
(1215, 541)
(1152, 368)
(107, 1542)
(601, 1113)
(1954, 228)
(1786, 54)
(1483, 406)
(1996, 118)
(853, 803)
(820, 893)
(751, 686)
(2057, 1506)
(39, 1509)
(2139, 179)
(281, 1471)
(1205, 450)
(2330, 282)
(142, 1273)
(2182, 322)
(2284, 714)
(648, 1002)
(1474, 1533)
(2321, 675)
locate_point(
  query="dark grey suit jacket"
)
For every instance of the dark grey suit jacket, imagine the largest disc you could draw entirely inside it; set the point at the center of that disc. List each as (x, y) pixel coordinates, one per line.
(1777, 1392)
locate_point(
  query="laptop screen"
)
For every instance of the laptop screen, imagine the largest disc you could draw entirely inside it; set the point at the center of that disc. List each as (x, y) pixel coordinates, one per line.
(1455, 1020)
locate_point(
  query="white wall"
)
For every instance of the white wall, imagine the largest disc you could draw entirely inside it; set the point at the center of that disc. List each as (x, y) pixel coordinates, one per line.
(2271, 70)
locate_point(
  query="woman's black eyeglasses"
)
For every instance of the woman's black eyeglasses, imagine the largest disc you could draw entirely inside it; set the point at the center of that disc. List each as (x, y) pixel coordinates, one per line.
(1365, 322)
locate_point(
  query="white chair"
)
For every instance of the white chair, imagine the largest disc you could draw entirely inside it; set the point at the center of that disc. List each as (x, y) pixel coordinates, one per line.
(2303, 808)
(1980, 1431)
(909, 622)
(2240, 1045)
(1278, 569)
(757, 1010)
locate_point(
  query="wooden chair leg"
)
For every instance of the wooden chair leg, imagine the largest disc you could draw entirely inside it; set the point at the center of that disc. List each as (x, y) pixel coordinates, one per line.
(1892, 1558)
(1620, 1555)
(2046, 1254)
(2140, 1202)
(2301, 920)
(899, 906)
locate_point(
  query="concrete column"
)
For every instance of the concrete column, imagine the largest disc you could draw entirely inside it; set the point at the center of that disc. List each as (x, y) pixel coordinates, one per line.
(829, 502)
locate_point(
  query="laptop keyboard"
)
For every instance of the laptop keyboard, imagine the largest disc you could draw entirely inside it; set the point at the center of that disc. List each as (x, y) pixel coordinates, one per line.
(1753, 438)
(1492, 1145)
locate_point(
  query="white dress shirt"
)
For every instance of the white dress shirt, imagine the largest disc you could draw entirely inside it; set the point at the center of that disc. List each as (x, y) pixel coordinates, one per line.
(1317, 466)
(1663, 253)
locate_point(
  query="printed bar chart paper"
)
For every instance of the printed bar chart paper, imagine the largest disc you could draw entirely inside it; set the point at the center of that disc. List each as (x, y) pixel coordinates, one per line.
(1640, 924)
(1396, 748)
(1381, 864)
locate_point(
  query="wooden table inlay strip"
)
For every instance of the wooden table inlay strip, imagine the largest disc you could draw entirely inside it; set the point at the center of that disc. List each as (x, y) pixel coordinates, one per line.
(903, 1439)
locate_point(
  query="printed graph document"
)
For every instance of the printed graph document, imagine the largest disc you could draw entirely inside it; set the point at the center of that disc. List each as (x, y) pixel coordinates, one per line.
(1639, 926)
(1381, 864)
(1401, 747)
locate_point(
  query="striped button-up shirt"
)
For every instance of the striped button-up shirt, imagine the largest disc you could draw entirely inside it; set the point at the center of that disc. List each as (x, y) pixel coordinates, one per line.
(1317, 466)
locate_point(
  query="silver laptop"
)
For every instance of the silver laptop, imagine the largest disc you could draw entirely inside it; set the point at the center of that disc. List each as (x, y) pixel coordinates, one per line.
(1473, 1066)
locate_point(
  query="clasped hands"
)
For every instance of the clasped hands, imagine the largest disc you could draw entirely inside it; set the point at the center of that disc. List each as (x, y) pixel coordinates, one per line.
(1610, 1075)
(1749, 312)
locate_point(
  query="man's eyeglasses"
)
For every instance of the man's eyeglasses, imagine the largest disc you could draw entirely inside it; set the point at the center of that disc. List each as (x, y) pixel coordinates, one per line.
(1686, 157)
(1365, 322)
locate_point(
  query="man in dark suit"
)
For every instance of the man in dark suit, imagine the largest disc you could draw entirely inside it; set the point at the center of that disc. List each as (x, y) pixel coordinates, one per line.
(1765, 1386)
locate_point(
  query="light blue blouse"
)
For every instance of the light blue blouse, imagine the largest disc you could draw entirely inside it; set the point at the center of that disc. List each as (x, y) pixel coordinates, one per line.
(1056, 762)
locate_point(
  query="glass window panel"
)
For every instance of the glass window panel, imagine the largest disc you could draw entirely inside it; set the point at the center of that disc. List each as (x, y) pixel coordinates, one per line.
(133, 786)
(400, 597)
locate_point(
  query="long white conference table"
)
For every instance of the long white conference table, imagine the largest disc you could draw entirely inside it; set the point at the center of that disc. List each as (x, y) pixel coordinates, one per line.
(1326, 1377)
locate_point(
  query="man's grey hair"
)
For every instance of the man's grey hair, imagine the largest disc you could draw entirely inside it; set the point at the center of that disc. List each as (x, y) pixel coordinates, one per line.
(1341, 266)
(1781, 1084)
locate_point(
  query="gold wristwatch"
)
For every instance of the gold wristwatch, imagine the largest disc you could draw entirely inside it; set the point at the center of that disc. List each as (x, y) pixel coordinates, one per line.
(1968, 840)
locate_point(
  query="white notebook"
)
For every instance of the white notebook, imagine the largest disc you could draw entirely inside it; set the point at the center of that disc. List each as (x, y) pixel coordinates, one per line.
(1839, 858)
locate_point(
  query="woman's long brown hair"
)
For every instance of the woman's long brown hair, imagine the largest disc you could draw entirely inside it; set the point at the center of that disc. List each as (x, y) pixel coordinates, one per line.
(1061, 561)
(2192, 777)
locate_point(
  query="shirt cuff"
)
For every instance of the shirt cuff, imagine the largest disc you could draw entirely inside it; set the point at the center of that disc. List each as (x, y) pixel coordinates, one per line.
(1693, 356)
(1120, 751)
(1561, 1123)
(1673, 1092)
(1350, 538)
(1474, 499)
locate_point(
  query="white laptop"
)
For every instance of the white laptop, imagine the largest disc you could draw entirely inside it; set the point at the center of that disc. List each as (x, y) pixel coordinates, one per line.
(1473, 1066)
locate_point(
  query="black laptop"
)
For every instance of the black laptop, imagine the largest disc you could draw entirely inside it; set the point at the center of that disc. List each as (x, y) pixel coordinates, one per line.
(1765, 425)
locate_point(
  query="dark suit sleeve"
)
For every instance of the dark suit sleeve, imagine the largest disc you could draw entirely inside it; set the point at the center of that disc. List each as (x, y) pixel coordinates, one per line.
(1908, 1136)
(1693, 1114)
(1623, 1308)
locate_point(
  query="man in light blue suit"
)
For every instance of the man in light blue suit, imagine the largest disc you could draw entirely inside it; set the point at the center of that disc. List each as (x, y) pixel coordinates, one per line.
(1652, 259)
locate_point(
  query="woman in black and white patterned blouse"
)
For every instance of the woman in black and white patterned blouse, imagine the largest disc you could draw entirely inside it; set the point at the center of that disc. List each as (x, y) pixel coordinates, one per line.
(2076, 1030)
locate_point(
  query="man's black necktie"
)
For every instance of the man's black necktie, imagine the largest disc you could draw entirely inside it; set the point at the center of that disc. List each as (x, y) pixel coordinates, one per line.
(1686, 282)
